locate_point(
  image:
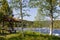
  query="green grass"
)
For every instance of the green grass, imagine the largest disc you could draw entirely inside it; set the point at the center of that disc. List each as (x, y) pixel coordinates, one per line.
(28, 35)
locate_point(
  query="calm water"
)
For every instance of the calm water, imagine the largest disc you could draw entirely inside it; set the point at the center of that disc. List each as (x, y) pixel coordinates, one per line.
(42, 30)
(47, 31)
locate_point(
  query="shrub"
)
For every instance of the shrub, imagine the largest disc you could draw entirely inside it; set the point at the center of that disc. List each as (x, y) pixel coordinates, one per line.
(2, 38)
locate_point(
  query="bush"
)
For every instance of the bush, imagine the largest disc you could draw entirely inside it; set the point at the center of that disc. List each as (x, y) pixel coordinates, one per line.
(2, 38)
(13, 38)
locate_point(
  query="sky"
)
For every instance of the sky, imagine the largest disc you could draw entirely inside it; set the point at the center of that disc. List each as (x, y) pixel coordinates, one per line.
(32, 13)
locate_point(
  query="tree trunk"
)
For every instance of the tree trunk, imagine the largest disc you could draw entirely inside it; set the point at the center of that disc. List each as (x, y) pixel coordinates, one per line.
(51, 16)
(21, 17)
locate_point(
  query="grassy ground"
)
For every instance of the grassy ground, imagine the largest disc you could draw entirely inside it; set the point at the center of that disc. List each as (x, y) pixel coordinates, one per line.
(29, 36)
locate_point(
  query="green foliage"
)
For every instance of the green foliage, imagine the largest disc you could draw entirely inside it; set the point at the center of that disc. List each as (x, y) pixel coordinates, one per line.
(47, 8)
(56, 24)
(13, 38)
(20, 5)
(37, 24)
(31, 37)
(2, 38)
(1, 15)
(44, 7)
(5, 9)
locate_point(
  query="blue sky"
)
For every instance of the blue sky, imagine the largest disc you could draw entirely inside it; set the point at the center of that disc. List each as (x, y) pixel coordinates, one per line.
(32, 13)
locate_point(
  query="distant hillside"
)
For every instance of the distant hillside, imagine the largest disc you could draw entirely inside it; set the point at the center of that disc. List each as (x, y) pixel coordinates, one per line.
(56, 23)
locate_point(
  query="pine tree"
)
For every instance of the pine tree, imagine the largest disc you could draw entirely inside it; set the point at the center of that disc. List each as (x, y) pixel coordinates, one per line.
(4, 11)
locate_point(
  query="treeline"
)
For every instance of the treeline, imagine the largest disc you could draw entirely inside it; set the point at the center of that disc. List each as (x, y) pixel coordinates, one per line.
(56, 24)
